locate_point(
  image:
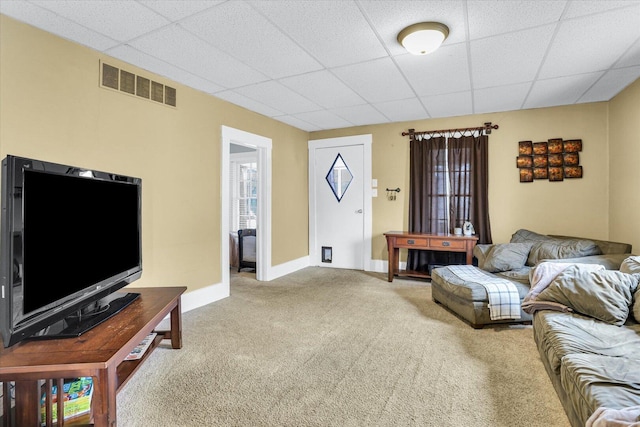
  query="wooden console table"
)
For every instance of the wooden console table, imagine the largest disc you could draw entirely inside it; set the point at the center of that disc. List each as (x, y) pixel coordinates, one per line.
(98, 353)
(422, 241)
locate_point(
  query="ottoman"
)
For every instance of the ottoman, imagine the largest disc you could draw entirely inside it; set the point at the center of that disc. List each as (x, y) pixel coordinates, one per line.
(468, 299)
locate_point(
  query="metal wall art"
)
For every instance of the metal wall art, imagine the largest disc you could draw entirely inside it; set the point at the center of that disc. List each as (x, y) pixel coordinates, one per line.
(554, 159)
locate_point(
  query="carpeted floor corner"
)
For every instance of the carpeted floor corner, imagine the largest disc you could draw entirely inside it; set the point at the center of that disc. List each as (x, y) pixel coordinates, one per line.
(329, 347)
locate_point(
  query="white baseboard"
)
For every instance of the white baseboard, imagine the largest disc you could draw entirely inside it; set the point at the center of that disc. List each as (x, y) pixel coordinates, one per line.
(203, 296)
(287, 268)
(382, 266)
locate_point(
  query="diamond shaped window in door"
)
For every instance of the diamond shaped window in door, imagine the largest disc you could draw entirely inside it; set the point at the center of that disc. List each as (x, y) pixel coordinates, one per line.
(339, 177)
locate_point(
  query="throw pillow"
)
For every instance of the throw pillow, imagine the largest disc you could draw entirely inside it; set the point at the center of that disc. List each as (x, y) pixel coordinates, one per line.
(505, 257)
(605, 295)
(631, 265)
(558, 249)
(541, 276)
(522, 236)
(480, 252)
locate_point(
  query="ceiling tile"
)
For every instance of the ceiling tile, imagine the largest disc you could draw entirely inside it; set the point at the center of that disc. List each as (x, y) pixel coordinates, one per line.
(509, 58)
(248, 103)
(611, 84)
(56, 24)
(310, 23)
(402, 110)
(323, 119)
(277, 96)
(451, 104)
(582, 8)
(502, 98)
(323, 88)
(491, 17)
(360, 115)
(591, 44)
(390, 17)
(376, 81)
(559, 91)
(121, 20)
(175, 10)
(176, 46)
(446, 70)
(236, 28)
(144, 61)
(297, 123)
(631, 56)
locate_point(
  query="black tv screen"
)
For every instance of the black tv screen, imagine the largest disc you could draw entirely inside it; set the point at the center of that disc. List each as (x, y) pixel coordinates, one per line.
(70, 236)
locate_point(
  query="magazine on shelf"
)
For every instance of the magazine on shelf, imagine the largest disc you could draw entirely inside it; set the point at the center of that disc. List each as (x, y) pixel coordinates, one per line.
(141, 348)
(77, 399)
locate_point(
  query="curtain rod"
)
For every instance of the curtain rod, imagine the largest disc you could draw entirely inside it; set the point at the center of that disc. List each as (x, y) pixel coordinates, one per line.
(486, 128)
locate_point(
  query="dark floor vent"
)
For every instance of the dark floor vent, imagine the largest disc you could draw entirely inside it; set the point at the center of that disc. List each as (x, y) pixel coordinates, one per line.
(124, 81)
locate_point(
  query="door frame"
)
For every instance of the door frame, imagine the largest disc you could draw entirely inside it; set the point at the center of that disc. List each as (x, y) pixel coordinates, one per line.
(366, 141)
(263, 147)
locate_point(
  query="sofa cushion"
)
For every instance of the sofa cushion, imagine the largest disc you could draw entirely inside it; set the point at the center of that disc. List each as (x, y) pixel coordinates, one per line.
(520, 275)
(558, 249)
(636, 304)
(631, 265)
(606, 295)
(504, 257)
(608, 261)
(559, 334)
(592, 381)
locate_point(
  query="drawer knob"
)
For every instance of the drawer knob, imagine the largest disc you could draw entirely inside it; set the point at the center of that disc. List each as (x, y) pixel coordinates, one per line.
(446, 244)
(411, 242)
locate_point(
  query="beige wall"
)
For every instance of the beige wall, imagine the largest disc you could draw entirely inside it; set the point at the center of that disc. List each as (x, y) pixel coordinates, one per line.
(52, 108)
(573, 207)
(624, 142)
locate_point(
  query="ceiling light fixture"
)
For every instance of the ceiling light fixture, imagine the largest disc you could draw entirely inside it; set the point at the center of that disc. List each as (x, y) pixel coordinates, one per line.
(423, 38)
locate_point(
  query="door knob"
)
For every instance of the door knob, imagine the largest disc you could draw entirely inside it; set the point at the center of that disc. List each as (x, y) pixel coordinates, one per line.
(359, 211)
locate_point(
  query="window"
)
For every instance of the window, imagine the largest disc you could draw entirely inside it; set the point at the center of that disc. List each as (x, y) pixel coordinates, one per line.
(244, 191)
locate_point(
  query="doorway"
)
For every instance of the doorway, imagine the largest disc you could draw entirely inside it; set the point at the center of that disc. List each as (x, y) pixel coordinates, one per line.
(340, 205)
(262, 147)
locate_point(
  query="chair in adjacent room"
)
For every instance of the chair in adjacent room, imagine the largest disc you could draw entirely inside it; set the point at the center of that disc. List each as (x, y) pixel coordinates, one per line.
(246, 248)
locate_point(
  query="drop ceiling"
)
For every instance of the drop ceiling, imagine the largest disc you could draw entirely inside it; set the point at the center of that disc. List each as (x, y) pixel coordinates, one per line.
(331, 64)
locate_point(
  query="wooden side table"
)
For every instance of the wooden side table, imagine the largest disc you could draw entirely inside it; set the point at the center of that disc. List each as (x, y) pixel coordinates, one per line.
(424, 241)
(98, 353)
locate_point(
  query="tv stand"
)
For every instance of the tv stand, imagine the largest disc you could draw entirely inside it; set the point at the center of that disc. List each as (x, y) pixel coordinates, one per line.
(77, 324)
(98, 353)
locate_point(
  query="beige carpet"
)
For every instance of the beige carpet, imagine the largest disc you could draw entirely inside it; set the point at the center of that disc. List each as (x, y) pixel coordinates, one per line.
(326, 347)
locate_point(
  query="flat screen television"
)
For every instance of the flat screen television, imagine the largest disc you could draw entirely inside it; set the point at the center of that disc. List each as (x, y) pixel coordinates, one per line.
(69, 239)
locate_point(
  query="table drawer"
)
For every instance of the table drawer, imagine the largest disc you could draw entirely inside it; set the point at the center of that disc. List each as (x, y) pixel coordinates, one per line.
(446, 243)
(409, 242)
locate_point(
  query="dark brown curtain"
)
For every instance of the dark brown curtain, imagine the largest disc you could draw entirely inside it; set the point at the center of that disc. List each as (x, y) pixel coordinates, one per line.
(467, 159)
(469, 178)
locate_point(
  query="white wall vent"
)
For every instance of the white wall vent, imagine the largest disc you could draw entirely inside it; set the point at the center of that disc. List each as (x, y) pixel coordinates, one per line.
(123, 81)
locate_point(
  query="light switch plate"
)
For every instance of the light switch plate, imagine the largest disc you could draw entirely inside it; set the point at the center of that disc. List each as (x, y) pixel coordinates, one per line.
(374, 183)
(374, 192)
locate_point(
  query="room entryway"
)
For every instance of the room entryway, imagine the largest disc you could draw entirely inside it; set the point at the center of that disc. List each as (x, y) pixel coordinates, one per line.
(249, 207)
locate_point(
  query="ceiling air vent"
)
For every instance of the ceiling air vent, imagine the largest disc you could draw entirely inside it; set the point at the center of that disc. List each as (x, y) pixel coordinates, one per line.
(142, 87)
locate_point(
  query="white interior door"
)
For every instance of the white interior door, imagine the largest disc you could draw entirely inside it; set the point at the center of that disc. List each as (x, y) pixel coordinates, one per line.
(340, 203)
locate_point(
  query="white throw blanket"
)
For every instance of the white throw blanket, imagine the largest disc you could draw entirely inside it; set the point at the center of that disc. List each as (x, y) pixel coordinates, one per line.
(504, 300)
(606, 417)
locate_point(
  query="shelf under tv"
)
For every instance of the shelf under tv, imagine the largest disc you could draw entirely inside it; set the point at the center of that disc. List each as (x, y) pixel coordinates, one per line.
(98, 353)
